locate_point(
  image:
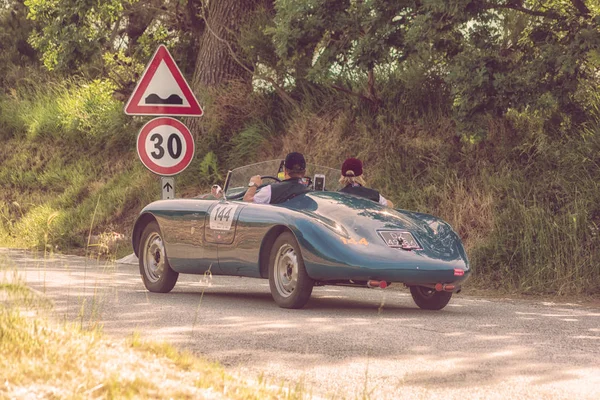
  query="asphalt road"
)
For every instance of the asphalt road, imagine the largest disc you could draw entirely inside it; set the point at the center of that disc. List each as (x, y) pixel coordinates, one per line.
(347, 342)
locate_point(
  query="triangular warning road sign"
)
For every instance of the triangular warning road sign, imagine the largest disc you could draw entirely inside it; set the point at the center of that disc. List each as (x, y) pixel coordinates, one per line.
(162, 90)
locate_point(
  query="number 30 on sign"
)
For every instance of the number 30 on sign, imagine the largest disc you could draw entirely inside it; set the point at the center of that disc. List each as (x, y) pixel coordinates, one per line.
(165, 146)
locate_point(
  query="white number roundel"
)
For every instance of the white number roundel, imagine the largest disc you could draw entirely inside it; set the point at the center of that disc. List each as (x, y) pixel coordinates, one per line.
(165, 146)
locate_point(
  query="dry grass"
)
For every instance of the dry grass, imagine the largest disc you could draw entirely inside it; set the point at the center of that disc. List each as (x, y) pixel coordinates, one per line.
(45, 359)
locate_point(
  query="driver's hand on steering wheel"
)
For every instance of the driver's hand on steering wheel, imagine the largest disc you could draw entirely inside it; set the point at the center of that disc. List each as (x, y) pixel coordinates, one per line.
(256, 179)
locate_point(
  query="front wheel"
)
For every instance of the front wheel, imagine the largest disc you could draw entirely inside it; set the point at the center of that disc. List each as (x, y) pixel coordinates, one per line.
(290, 285)
(157, 274)
(429, 299)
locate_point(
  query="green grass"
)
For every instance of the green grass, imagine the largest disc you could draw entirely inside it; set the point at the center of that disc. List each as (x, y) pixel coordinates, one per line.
(67, 146)
(525, 200)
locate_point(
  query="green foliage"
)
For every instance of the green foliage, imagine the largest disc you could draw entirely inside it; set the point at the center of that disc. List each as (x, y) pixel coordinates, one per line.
(10, 123)
(485, 113)
(38, 111)
(67, 146)
(90, 113)
(81, 198)
(209, 169)
(493, 56)
(16, 54)
(247, 143)
(96, 209)
(122, 69)
(41, 226)
(338, 34)
(509, 62)
(73, 34)
(109, 39)
(81, 113)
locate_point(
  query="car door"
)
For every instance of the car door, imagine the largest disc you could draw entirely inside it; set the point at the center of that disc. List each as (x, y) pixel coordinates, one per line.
(220, 229)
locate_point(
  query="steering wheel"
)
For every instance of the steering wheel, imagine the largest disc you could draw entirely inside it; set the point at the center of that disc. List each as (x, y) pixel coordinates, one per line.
(270, 177)
(240, 195)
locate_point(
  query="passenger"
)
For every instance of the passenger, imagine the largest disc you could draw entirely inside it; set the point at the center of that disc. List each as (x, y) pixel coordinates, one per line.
(291, 186)
(353, 182)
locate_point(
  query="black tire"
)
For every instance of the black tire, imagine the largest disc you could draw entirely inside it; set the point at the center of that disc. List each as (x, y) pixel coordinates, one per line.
(157, 274)
(285, 261)
(430, 299)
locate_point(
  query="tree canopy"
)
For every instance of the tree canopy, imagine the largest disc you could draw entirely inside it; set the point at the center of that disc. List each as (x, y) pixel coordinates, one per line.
(492, 55)
(485, 57)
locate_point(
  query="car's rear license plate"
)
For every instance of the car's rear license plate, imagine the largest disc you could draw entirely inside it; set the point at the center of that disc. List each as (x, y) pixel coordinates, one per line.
(400, 240)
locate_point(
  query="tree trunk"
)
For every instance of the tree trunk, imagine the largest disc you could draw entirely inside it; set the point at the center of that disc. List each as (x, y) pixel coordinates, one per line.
(218, 56)
(219, 60)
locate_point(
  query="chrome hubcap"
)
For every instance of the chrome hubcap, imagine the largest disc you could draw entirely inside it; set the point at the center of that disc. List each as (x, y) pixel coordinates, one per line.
(286, 270)
(154, 257)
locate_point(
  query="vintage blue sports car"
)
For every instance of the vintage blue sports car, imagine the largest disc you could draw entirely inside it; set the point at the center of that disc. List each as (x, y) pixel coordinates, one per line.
(323, 237)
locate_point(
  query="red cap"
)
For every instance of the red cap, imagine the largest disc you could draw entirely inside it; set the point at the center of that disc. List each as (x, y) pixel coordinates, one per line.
(354, 165)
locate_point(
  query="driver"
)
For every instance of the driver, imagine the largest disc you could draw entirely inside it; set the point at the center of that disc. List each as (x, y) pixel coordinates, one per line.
(291, 186)
(354, 183)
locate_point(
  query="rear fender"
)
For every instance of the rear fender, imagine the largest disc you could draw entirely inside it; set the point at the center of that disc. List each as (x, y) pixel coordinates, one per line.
(139, 226)
(306, 247)
(267, 245)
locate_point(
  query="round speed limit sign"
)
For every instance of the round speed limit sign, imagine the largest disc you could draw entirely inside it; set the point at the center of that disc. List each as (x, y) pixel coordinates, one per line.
(165, 146)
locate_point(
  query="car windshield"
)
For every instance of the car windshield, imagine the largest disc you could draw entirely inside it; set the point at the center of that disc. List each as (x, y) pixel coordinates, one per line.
(239, 178)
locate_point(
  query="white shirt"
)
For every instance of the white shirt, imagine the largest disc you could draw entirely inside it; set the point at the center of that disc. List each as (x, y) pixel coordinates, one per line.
(263, 196)
(383, 201)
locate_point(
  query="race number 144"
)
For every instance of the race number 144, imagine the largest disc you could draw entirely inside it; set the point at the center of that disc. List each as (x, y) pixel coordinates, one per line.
(221, 217)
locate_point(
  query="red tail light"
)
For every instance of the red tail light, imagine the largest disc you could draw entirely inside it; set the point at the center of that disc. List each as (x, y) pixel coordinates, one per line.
(458, 272)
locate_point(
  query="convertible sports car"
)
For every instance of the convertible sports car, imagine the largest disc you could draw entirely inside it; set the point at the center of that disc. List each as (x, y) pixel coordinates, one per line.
(323, 237)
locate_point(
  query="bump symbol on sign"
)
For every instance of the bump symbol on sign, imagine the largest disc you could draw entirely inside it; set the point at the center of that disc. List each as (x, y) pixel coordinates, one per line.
(163, 90)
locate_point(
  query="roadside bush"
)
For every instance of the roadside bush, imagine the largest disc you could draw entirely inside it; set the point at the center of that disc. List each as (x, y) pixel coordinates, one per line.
(41, 226)
(71, 144)
(88, 112)
(39, 112)
(84, 113)
(10, 123)
(252, 140)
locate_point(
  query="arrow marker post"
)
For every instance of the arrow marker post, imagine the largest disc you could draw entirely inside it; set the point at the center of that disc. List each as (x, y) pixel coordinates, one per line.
(167, 184)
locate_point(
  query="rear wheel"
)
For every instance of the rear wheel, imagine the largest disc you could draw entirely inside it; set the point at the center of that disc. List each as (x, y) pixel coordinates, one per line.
(290, 285)
(430, 299)
(154, 265)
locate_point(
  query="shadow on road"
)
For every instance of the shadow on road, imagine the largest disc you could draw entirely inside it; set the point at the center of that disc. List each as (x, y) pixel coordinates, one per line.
(350, 338)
